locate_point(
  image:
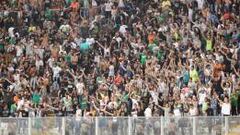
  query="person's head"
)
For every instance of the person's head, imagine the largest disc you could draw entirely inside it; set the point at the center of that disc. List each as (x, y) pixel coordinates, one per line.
(151, 106)
(166, 104)
(226, 99)
(227, 85)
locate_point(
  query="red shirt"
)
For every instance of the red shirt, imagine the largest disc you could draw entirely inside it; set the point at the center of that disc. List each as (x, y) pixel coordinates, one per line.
(227, 16)
(74, 5)
(118, 80)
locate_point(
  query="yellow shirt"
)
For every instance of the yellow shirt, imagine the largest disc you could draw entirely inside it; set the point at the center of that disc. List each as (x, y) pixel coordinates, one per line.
(166, 3)
(194, 75)
(209, 46)
(32, 29)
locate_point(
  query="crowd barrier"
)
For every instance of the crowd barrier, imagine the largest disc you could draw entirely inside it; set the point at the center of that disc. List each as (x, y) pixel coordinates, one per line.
(120, 126)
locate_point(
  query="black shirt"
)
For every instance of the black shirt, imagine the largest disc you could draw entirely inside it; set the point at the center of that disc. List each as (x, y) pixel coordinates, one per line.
(5, 113)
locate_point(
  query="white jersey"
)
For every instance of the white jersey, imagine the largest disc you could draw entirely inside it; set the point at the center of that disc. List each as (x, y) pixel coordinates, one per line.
(226, 107)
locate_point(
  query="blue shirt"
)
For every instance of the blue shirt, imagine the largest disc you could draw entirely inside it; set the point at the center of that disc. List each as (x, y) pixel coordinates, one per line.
(186, 77)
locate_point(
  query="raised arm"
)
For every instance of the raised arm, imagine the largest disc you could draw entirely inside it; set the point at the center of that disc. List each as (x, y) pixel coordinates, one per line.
(8, 80)
(73, 76)
(234, 69)
(100, 45)
(103, 110)
(94, 106)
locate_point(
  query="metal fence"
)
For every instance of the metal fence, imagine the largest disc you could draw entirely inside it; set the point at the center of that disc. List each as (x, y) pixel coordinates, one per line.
(121, 126)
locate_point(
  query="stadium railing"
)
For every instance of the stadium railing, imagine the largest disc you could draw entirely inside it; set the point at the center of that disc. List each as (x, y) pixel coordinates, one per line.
(121, 126)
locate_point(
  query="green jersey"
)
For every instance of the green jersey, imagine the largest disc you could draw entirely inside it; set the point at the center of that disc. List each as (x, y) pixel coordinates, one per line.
(143, 59)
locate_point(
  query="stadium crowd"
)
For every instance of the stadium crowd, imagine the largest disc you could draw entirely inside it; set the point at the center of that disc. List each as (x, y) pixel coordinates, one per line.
(119, 58)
